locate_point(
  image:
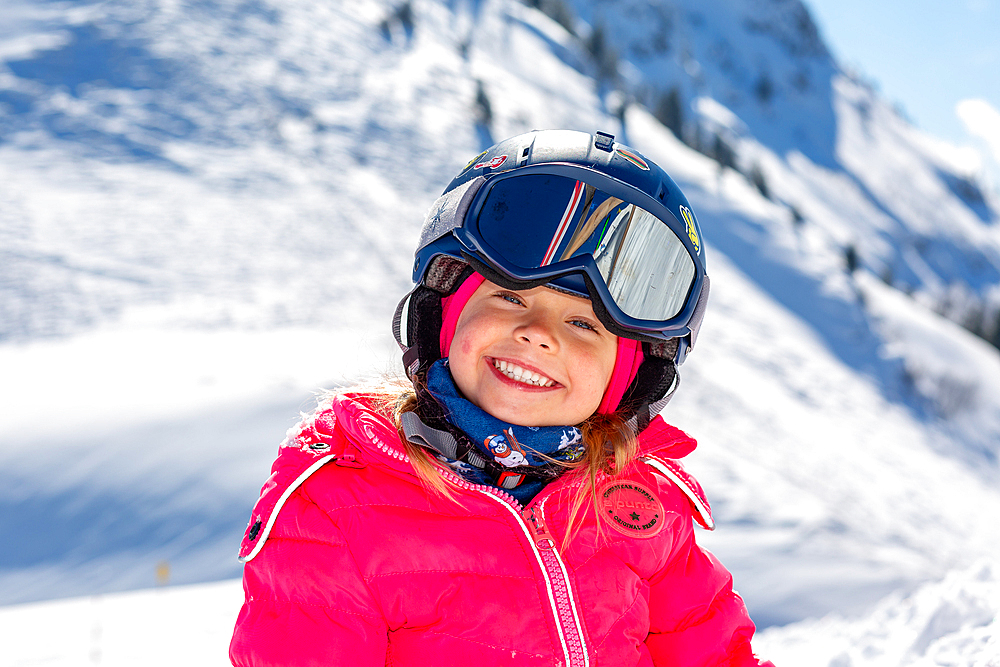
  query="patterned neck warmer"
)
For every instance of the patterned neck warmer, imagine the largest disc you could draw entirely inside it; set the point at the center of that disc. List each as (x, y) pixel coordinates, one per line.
(516, 449)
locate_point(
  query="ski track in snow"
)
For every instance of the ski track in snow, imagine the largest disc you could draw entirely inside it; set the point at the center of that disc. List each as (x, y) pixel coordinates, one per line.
(210, 216)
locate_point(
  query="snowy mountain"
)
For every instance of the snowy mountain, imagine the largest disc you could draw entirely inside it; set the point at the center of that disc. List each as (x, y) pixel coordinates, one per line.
(209, 208)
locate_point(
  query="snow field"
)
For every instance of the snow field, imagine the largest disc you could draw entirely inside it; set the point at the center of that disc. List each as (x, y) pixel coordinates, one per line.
(951, 622)
(185, 625)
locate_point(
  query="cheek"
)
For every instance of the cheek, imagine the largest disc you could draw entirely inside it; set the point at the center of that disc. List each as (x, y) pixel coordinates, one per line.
(609, 364)
(459, 343)
(463, 358)
(601, 363)
(471, 335)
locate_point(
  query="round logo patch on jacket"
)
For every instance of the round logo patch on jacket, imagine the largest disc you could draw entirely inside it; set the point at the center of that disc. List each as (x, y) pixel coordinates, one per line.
(631, 509)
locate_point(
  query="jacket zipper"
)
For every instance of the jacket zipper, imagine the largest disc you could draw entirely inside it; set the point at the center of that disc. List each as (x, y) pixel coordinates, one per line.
(553, 569)
(567, 616)
(554, 573)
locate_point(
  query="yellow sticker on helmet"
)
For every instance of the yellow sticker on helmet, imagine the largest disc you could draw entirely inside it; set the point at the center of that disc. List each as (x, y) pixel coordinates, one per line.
(692, 231)
(474, 160)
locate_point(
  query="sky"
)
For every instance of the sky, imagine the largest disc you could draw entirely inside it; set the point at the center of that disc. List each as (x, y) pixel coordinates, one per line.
(928, 56)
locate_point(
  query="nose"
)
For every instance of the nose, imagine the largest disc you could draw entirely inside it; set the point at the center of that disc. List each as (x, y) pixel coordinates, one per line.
(538, 330)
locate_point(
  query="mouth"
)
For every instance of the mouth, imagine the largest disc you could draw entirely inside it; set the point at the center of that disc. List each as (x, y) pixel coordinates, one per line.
(522, 375)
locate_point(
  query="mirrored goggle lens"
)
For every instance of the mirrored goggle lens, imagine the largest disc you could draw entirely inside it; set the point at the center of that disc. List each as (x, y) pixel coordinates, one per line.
(540, 219)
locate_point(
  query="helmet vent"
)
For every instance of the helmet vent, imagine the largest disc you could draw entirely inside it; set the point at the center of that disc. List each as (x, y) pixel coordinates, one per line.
(604, 141)
(524, 156)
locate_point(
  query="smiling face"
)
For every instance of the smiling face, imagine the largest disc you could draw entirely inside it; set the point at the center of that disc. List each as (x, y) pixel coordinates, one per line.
(535, 357)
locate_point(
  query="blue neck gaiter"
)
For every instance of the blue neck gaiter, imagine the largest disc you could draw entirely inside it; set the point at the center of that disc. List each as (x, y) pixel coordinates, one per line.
(516, 448)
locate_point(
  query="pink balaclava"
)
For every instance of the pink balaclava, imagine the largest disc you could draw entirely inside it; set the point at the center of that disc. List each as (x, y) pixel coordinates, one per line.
(627, 360)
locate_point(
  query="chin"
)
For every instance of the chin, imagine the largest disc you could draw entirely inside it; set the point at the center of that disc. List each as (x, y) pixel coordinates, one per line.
(515, 417)
(532, 418)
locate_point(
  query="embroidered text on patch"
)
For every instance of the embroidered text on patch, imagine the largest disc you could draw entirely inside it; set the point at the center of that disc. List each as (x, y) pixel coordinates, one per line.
(631, 509)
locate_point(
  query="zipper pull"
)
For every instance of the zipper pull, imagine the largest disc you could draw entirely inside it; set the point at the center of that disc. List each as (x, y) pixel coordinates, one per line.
(543, 539)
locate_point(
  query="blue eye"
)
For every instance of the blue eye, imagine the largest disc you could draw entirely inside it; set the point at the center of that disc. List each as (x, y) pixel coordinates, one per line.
(583, 324)
(511, 298)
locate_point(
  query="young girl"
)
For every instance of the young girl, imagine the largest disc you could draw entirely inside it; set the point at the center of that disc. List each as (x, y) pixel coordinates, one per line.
(521, 503)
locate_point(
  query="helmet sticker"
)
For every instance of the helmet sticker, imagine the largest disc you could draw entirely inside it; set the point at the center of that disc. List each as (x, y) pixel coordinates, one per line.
(631, 509)
(492, 164)
(692, 231)
(567, 217)
(632, 157)
(473, 161)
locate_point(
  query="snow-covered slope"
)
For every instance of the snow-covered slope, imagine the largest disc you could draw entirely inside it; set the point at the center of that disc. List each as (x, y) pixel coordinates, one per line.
(209, 210)
(955, 621)
(950, 622)
(762, 59)
(179, 625)
(830, 481)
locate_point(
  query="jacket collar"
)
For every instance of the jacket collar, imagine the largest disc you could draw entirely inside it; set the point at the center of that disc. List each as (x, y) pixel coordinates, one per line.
(352, 432)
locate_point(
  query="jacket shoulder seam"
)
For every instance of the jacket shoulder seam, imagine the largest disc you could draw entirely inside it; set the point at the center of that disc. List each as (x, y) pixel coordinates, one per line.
(486, 644)
(300, 603)
(347, 547)
(450, 571)
(340, 508)
(308, 540)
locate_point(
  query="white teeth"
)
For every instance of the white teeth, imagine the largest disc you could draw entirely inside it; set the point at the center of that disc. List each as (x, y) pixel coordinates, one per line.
(515, 372)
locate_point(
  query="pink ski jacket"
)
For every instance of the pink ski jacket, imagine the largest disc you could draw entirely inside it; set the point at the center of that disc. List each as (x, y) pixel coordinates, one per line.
(350, 560)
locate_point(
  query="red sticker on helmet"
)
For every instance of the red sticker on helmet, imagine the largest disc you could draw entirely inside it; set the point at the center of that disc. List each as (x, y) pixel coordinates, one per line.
(492, 164)
(631, 509)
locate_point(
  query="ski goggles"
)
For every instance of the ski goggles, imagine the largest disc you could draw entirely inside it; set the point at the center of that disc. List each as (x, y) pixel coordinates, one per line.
(590, 234)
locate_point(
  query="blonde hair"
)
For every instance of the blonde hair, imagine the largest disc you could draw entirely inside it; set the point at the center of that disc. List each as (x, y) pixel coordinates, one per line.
(609, 442)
